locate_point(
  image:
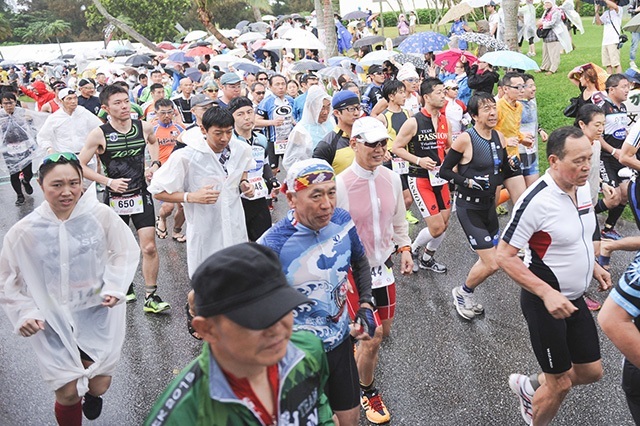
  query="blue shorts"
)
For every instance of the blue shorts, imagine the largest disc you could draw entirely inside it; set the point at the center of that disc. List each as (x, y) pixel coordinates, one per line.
(529, 164)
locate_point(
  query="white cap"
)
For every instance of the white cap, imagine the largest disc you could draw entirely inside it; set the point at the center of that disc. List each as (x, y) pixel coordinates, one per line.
(369, 129)
(407, 71)
(63, 93)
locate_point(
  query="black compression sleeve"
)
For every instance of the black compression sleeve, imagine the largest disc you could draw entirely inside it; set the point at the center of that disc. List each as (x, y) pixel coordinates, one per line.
(451, 160)
(362, 276)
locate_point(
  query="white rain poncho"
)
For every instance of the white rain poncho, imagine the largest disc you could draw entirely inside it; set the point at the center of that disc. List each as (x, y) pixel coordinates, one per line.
(67, 133)
(18, 133)
(59, 272)
(308, 132)
(210, 227)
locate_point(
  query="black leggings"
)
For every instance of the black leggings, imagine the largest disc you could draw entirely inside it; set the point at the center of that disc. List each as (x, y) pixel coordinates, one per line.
(15, 178)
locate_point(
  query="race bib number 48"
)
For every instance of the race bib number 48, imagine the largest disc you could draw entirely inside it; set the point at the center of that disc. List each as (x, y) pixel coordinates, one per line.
(125, 206)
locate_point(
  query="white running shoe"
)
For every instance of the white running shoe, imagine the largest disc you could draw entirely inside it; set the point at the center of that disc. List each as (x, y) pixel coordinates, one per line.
(517, 384)
(463, 302)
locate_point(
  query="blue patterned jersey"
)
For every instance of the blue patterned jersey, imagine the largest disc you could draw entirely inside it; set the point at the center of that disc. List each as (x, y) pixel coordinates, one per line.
(627, 292)
(316, 263)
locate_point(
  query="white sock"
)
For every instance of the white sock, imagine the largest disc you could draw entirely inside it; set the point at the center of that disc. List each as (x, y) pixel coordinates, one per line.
(423, 238)
(434, 244)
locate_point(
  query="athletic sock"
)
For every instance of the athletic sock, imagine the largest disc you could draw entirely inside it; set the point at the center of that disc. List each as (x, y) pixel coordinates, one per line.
(614, 215)
(434, 244)
(601, 206)
(69, 415)
(422, 239)
(466, 289)
(427, 255)
(535, 384)
(367, 389)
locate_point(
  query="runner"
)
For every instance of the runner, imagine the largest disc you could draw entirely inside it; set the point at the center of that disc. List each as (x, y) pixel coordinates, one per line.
(231, 88)
(87, 98)
(554, 222)
(373, 197)
(422, 143)
(253, 370)
(182, 101)
(64, 295)
(312, 228)
(120, 144)
(373, 93)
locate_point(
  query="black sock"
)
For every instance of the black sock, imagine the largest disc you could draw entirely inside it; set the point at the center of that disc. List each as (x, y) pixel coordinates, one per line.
(601, 206)
(368, 388)
(614, 215)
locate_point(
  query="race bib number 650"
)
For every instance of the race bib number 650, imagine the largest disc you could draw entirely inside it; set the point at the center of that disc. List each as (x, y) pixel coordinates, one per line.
(125, 206)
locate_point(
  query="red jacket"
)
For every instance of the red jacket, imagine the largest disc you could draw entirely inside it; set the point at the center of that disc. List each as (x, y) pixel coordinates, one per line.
(42, 96)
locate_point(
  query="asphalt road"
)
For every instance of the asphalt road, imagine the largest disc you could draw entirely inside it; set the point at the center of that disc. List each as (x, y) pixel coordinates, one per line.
(435, 369)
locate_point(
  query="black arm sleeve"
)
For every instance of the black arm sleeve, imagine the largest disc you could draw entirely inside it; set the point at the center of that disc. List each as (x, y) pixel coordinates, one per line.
(362, 276)
(451, 160)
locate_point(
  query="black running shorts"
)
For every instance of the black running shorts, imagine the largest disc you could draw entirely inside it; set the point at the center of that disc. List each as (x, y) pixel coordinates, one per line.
(141, 220)
(559, 343)
(479, 222)
(343, 386)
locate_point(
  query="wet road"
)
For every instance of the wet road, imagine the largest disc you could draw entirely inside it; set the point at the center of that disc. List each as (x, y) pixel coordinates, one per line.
(435, 369)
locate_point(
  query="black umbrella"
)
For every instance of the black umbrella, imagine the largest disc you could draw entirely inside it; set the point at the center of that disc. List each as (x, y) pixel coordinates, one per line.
(368, 41)
(357, 14)
(397, 40)
(403, 58)
(138, 60)
(259, 27)
(200, 43)
(307, 65)
(125, 52)
(242, 24)
(297, 17)
(67, 56)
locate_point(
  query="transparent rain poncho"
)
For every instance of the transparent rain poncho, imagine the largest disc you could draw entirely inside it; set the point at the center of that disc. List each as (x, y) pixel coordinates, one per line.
(308, 132)
(18, 135)
(59, 272)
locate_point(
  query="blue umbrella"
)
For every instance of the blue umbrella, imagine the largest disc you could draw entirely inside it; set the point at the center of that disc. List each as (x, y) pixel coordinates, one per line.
(180, 56)
(247, 67)
(193, 74)
(427, 41)
(509, 59)
(340, 61)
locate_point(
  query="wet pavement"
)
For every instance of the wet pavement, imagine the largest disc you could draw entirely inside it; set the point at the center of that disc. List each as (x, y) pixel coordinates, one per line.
(435, 369)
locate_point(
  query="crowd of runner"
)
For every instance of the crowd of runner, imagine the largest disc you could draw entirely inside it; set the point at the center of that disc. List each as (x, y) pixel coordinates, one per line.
(294, 310)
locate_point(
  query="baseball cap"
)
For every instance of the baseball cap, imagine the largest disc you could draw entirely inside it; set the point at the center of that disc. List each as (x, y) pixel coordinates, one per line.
(58, 85)
(246, 284)
(200, 100)
(84, 81)
(374, 69)
(63, 93)
(344, 98)
(632, 75)
(369, 129)
(289, 55)
(229, 78)
(307, 172)
(448, 84)
(407, 71)
(307, 76)
(210, 84)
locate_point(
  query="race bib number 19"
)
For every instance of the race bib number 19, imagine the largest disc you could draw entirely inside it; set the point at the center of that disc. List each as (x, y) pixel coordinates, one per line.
(125, 206)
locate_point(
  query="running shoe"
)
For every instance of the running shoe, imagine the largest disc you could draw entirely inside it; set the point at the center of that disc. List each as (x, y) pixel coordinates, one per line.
(27, 187)
(20, 200)
(411, 218)
(517, 384)
(610, 234)
(154, 304)
(92, 406)
(592, 304)
(465, 304)
(374, 408)
(432, 265)
(131, 294)
(502, 210)
(416, 260)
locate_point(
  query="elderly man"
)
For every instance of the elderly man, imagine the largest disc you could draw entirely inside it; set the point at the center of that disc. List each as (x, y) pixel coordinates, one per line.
(183, 100)
(313, 229)
(554, 222)
(231, 88)
(253, 368)
(87, 98)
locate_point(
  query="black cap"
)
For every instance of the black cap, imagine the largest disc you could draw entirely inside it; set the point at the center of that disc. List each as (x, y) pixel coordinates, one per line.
(246, 284)
(374, 68)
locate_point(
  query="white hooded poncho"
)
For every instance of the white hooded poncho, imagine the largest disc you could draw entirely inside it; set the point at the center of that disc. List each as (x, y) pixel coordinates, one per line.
(210, 227)
(308, 132)
(59, 272)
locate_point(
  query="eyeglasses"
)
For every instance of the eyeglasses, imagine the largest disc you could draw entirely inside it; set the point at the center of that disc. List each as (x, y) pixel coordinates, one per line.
(352, 109)
(55, 158)
(212, 90)
(164, 112)
(453, 88)
(373, 145)
(259, 93)
(263, 79)
(377, 73)
(518, 87)
(411, 80)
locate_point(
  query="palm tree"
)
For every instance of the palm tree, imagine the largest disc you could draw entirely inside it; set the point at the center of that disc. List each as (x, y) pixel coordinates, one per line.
(54, 29)
(510, 10)
(326, 26)
(125, 28)
(207, 19)
(257, 6)
(5, 28)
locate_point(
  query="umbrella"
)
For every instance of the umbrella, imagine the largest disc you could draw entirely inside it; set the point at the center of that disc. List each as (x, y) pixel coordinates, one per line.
(307, 65)
(166, 45)
(138, 60)
(336, 72)
(67, 56)
(199, 43)
(268, 18)
(416, 60)
(258, 44)
(424, 42)
(338, 60)
(247, 67)
(230, 33)
(100, 63)
(377, 57)
(397, 40)
(357, 14)
(483, 40)
(125, 52)
(260, 27)
(633, 26)
(302, 39)
(240, 25)
(193, 74)
(57, 62)
(509, 59)
(199, 51)
(179, 56)
(195, 35)
(448, 58)
(223, 61)
(276, 44)
(368, 41)
(249, 37)
(456, 12)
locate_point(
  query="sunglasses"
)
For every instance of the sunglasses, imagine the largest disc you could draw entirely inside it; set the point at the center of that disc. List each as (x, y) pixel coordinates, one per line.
(263, 79)
(212, 90)
(55, 158)
(259, 93)
(373, 145)
(453, 88)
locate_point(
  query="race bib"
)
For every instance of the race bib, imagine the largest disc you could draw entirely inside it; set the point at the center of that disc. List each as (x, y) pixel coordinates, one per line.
(399, 165)
(435, 179)
(127, 205)
(381, 276)
(280, 147)
(260, 188)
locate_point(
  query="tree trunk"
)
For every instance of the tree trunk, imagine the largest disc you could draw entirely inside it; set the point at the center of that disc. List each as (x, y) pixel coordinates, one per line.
(207, 20)
(126, 28)
(257, 14)
(328, 27)
(510, 10)
(59, 46)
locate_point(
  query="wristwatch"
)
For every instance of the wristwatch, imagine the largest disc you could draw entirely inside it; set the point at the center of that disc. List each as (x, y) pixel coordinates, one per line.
(370, 300)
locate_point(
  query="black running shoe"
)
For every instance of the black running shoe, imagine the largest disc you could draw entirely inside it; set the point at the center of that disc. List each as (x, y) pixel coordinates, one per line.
(92, 406)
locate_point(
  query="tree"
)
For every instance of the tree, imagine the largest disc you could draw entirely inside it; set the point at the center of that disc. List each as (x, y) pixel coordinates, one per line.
(125, 28)
(327, 27)
(257, 6)
(206, 16)
(55, 29)
(510, 10)
(5, 27)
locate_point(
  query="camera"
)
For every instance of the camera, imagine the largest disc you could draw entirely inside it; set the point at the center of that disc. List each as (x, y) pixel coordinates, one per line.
(622, 40)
